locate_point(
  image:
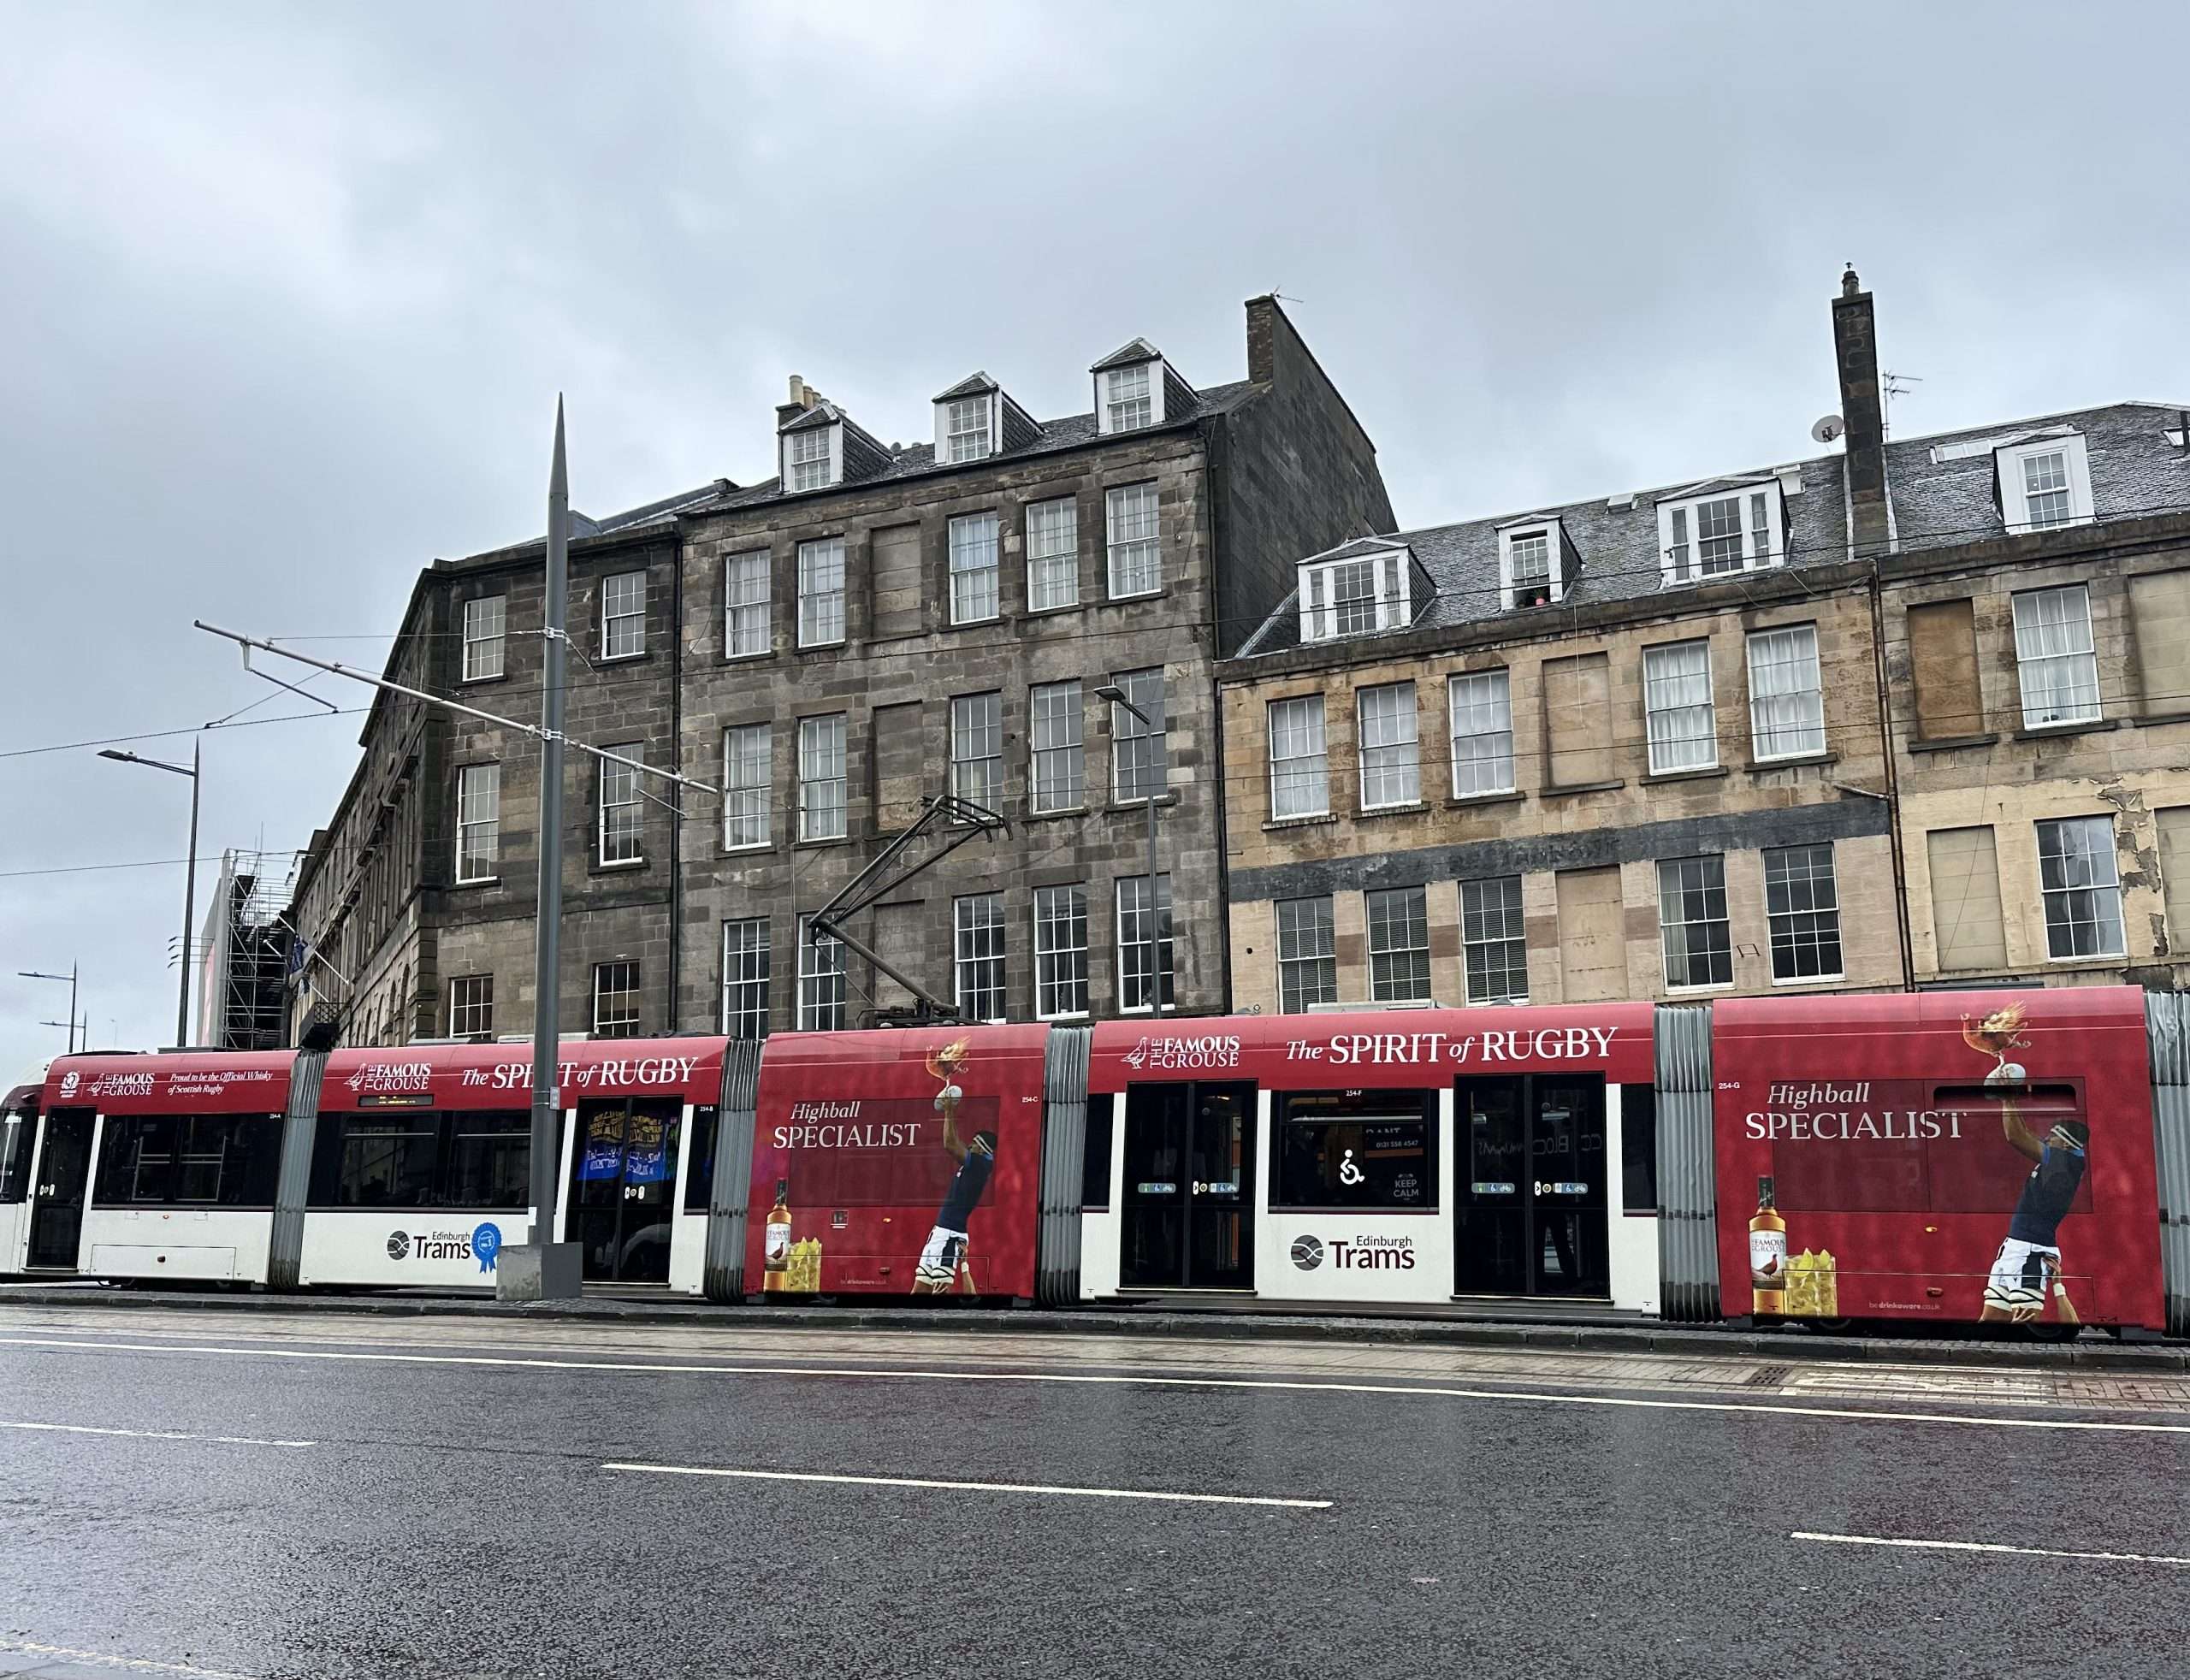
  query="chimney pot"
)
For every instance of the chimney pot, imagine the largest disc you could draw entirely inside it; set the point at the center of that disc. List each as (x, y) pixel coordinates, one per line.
(1850, 286)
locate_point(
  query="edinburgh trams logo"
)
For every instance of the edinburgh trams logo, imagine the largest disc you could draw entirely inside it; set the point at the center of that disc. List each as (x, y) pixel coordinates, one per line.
(385, 1078)
(1361, 1254)
(482, 1243)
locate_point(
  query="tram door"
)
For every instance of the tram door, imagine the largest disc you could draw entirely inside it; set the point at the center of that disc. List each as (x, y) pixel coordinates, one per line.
(1531, 1187)
(623, 1201)
(1189, 1190)
(60, 1176)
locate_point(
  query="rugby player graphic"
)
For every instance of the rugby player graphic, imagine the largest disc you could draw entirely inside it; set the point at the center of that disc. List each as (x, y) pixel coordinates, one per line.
(943, 1260)
(2027, 1267)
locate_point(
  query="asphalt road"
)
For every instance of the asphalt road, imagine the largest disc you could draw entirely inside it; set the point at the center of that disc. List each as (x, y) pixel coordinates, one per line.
(286, 1495)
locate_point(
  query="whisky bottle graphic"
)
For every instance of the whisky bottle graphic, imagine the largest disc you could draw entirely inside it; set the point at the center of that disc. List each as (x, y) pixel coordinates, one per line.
(775, 1250)
(1768, 1251)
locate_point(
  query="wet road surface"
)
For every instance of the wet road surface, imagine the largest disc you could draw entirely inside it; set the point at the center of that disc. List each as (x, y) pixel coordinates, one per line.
(296, 1495)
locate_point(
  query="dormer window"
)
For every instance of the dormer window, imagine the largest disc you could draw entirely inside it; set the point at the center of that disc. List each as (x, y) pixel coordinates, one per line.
(966, 434)
(1533, 568)
(1135, 388)
(1127, 405)
(2044, 483)
(1355, 594)
(807, 459)
(1735, 530)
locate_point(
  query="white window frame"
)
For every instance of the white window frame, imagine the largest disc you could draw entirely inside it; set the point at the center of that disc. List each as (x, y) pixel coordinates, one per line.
(746, 586)
(1057, 737)
(2010, 465)
(1657, 705)
(1126, 728)
(623, 615)
(965, 428)
(1132, 528)
(1390, 604)
(977, 748)
(1295, 964)
(820, 611)
(1791, 652)
(1680, 531)
(1061, 952)
(1382, 989)
(635, 991)
(2104, 886)
(822, 744)
(804, 468)
(748, 787)
(1474, 920)
(620, 824)
(1391, 769)
(1804, 924)
(1299, 759)
(1722, 920)
(745, 967)
(484, 657)
(478, 788)
(2050, 648)
(821, 982)
(1480, 710)
(464, 1004)
(1142, 404)
(1552, 534)
(979, 965)
(1136, 948)
(1052, 567)
(976, 543)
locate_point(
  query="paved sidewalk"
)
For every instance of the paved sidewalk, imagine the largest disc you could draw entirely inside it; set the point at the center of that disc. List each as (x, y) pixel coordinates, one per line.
(2093, 1351)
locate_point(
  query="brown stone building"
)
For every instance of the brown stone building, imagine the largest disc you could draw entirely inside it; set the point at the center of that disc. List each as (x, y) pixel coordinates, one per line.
(1912, 712)
(877, 625)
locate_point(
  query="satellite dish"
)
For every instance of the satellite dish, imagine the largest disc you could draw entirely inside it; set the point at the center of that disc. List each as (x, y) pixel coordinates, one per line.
(1828, 429)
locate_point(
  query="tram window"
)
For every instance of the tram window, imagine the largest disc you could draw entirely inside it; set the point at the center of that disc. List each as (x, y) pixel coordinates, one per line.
(14, 1158)
(199, 1159)
(1358, 1148)
(1638, 1148)
(390, 1164)
(1095, 1164)
(489, 1159)
(433, 1160)
(700, 1179)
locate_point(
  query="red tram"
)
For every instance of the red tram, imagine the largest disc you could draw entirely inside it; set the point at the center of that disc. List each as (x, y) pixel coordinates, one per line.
(2016, 1158)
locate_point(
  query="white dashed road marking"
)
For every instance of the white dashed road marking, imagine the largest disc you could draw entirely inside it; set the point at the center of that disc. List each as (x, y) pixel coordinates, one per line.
(153, 1435)
(1989, 1547)
(122, 1664)
(976, 1487)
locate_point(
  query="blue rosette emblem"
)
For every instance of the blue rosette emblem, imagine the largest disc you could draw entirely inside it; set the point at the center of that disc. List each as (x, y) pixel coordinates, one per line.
(487, 1243)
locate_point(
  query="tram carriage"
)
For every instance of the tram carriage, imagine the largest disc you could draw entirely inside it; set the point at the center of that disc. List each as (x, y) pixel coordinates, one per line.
(2016, 1158)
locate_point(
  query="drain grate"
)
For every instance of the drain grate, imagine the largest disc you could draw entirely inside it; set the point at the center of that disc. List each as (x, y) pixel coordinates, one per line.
(1769, 1376)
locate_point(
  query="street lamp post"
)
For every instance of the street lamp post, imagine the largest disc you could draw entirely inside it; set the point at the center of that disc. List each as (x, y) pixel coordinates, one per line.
(1117, 697)
(33, 974)
(190, 879)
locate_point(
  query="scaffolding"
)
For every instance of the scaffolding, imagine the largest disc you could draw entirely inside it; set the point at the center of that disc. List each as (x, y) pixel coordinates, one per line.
(243, 1002)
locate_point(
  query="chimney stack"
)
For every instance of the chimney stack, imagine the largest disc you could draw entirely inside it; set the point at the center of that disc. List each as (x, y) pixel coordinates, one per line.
(802, 396)
(1855, 342)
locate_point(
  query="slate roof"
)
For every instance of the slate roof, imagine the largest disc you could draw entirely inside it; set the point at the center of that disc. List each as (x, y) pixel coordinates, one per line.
(1129, 355)
(912, 460)
(2134, 471)
(974, 384)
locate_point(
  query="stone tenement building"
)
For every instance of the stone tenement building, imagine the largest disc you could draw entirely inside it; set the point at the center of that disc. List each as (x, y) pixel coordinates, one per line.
(1915, 713)
(877, 624)
(414, 899)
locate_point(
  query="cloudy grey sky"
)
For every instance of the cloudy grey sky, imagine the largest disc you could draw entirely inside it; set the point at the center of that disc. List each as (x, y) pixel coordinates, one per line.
(287, 294)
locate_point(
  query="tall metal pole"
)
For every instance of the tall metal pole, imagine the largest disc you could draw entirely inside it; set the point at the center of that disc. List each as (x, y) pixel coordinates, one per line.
(1155, 950)
(72, 1014)
(547, 992)
(189, 904)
